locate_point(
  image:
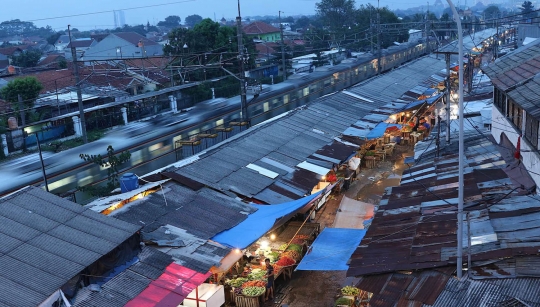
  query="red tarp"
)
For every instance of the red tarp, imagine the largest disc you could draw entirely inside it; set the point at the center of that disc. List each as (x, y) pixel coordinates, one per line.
(170, 289)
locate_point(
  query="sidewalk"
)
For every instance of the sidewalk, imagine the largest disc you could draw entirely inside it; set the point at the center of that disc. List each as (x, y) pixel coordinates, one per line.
(321, 288)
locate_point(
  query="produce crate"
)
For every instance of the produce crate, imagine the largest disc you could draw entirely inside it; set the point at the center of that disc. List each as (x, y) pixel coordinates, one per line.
(248, 301)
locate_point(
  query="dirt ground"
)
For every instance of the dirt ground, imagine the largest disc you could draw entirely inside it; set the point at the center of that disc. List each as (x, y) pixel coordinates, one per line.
(321, 288)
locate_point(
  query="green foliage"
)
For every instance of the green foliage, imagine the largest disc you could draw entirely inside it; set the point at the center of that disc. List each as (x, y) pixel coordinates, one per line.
(112, 162)
(17, 26)
(27, 87)
(171, 21)
(52, 39)
(336, 14)
(192, 20)
(527, 9)
(349, 290)
(62, 64)
(343, 301)
(28, 58)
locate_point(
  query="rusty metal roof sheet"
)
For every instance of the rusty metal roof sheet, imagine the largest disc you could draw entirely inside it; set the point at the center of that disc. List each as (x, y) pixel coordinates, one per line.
(415, 226)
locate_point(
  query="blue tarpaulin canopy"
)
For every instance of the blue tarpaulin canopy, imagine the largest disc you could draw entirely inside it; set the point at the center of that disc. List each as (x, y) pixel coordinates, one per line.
(418, 103)
(260, 222)
(379, 130)
(332, 249)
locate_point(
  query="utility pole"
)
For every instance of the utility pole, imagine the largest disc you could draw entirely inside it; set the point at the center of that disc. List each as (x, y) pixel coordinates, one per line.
(78, 85)
(427, 29)
(379, 51)
(448, 85)
(241, 58)
(282, 48)
(461, 155)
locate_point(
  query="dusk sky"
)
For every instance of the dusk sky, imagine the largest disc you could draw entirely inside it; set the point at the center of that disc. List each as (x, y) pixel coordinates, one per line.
(43, 13)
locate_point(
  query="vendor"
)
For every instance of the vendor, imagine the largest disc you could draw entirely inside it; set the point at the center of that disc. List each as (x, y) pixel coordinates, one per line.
(270, 280)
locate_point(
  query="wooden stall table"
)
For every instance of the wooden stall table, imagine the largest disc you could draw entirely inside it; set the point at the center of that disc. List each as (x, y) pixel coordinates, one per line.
(370, 161)
(415, 137)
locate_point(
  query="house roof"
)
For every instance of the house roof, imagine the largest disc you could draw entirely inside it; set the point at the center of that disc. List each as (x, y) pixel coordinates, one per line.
(264, 50)
(9, 51)
(81, 43)
(127, 285)
(134, 38)
(526, 95)
(259, 27)
(188, 219)
(46, 241)
(51, 59)
(515, 68)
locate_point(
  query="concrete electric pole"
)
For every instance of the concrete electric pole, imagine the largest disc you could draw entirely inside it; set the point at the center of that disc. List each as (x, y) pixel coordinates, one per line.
(282, 48)
(78, 86)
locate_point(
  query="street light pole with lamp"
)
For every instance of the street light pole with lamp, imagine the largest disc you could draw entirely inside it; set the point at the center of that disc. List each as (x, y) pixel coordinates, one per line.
(461, 144)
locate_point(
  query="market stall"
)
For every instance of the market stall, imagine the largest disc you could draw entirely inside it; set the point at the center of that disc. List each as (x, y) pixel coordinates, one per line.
(248, 288)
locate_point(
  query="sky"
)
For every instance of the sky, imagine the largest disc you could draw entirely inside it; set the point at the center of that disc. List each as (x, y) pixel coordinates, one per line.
(59, 13)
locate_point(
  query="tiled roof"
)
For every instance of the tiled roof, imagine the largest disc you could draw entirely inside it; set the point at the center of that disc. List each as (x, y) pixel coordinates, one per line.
(51, 59)
(528, 96)
(11, 50)
(189, 218)
(134, 38)
(128, 284)
(515, 68)
(259, 27)
(46, 241)
(81, 43)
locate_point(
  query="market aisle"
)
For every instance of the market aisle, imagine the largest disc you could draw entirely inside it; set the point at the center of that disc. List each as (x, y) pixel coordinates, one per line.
(320, 288)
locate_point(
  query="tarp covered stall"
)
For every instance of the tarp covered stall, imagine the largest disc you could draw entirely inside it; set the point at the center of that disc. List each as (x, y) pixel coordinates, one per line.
(380, 129)
(332, 249)
(353, 213)
(170, 289)
(416, 104)
(206, 295)
(260, 222)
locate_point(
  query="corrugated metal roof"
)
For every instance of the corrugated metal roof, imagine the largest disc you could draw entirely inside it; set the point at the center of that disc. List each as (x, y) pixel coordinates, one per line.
(179, 213)
(46, 241)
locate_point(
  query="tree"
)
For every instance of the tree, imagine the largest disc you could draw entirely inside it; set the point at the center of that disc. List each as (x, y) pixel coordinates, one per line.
(172, 21)
(527, 10)
(302, 23)
(28, 58)
(112, 162)
(54, 38)
(28, 88)
(192, 20)
(336, 14)
(491, 12)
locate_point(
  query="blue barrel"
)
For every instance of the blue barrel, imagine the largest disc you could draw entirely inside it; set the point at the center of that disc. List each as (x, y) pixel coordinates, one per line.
(129, 182)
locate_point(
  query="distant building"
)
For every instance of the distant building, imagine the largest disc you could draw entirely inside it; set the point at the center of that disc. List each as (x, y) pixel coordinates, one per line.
(119, 19)
(123, 45)
(61, 43)
(414, 35)
(262, 31)
(80, 45)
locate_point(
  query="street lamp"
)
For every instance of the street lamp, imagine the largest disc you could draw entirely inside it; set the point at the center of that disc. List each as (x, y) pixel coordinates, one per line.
(461, 144)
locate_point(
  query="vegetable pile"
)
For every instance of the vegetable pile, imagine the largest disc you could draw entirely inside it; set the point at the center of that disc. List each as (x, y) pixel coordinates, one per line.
(292, 254)
(254, 291)
(285, 261)
(282, 247)
(303, 237)
(254, 283)
(256, 274)
(237, 282)
(349, 290)
(295, 247)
